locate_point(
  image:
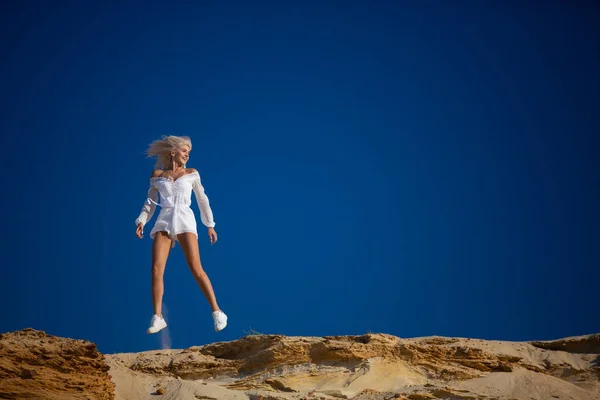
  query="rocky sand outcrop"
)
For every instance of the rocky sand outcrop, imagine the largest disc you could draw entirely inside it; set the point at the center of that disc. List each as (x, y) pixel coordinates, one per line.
(34, 365)
(273, 367)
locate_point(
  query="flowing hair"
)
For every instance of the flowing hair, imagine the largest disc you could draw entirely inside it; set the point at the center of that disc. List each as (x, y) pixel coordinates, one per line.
(162, 148)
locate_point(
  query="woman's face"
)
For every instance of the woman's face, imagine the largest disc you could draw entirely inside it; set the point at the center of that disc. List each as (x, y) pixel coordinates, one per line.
(181, 155)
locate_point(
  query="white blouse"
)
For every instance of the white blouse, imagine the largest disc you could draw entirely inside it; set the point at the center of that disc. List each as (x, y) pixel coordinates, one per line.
(175, 200)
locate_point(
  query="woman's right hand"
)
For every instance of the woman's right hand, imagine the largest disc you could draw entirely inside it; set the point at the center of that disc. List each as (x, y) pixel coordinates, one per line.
(139, 231)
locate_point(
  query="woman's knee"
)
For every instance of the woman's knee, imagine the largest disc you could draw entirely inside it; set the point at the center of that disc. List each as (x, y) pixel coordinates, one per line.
(197, 270)
(158, 269)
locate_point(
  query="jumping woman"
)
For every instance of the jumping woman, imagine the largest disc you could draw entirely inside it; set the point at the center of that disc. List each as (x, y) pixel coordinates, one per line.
(176, 222)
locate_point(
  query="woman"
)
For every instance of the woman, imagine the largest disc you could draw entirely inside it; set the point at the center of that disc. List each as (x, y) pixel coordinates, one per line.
(176, 221)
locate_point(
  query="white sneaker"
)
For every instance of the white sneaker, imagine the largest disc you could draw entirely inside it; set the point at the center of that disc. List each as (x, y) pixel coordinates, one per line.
(156, 324)
(220, 320)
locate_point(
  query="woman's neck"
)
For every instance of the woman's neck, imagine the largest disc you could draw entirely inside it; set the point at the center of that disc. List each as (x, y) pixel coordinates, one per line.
(174, 168)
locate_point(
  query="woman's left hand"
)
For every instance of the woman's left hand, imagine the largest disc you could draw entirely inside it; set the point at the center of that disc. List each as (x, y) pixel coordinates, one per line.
(212, 235)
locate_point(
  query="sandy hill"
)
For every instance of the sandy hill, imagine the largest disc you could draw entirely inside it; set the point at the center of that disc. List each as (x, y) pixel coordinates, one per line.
(34, 365)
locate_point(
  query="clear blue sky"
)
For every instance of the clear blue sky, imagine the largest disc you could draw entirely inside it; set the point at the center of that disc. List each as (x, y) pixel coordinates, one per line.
(415, 168)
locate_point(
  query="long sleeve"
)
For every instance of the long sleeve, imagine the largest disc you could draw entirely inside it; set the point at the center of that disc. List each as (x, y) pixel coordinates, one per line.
(205, 212)
(149, 207)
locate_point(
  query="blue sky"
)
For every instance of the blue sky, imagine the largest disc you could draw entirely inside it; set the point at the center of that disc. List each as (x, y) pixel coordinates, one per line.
(413, 168)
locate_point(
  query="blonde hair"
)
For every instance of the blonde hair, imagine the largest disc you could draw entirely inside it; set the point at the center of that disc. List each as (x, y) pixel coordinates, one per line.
(162, 148)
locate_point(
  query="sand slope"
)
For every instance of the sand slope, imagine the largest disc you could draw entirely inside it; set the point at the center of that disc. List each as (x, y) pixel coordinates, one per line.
(374, 366)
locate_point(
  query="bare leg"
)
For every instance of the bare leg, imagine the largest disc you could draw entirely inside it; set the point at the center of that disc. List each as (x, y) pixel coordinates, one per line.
(160, 253)
(189, 245)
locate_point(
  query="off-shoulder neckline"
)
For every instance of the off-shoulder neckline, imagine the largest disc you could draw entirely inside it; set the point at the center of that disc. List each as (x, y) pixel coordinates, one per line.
(171, 179)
